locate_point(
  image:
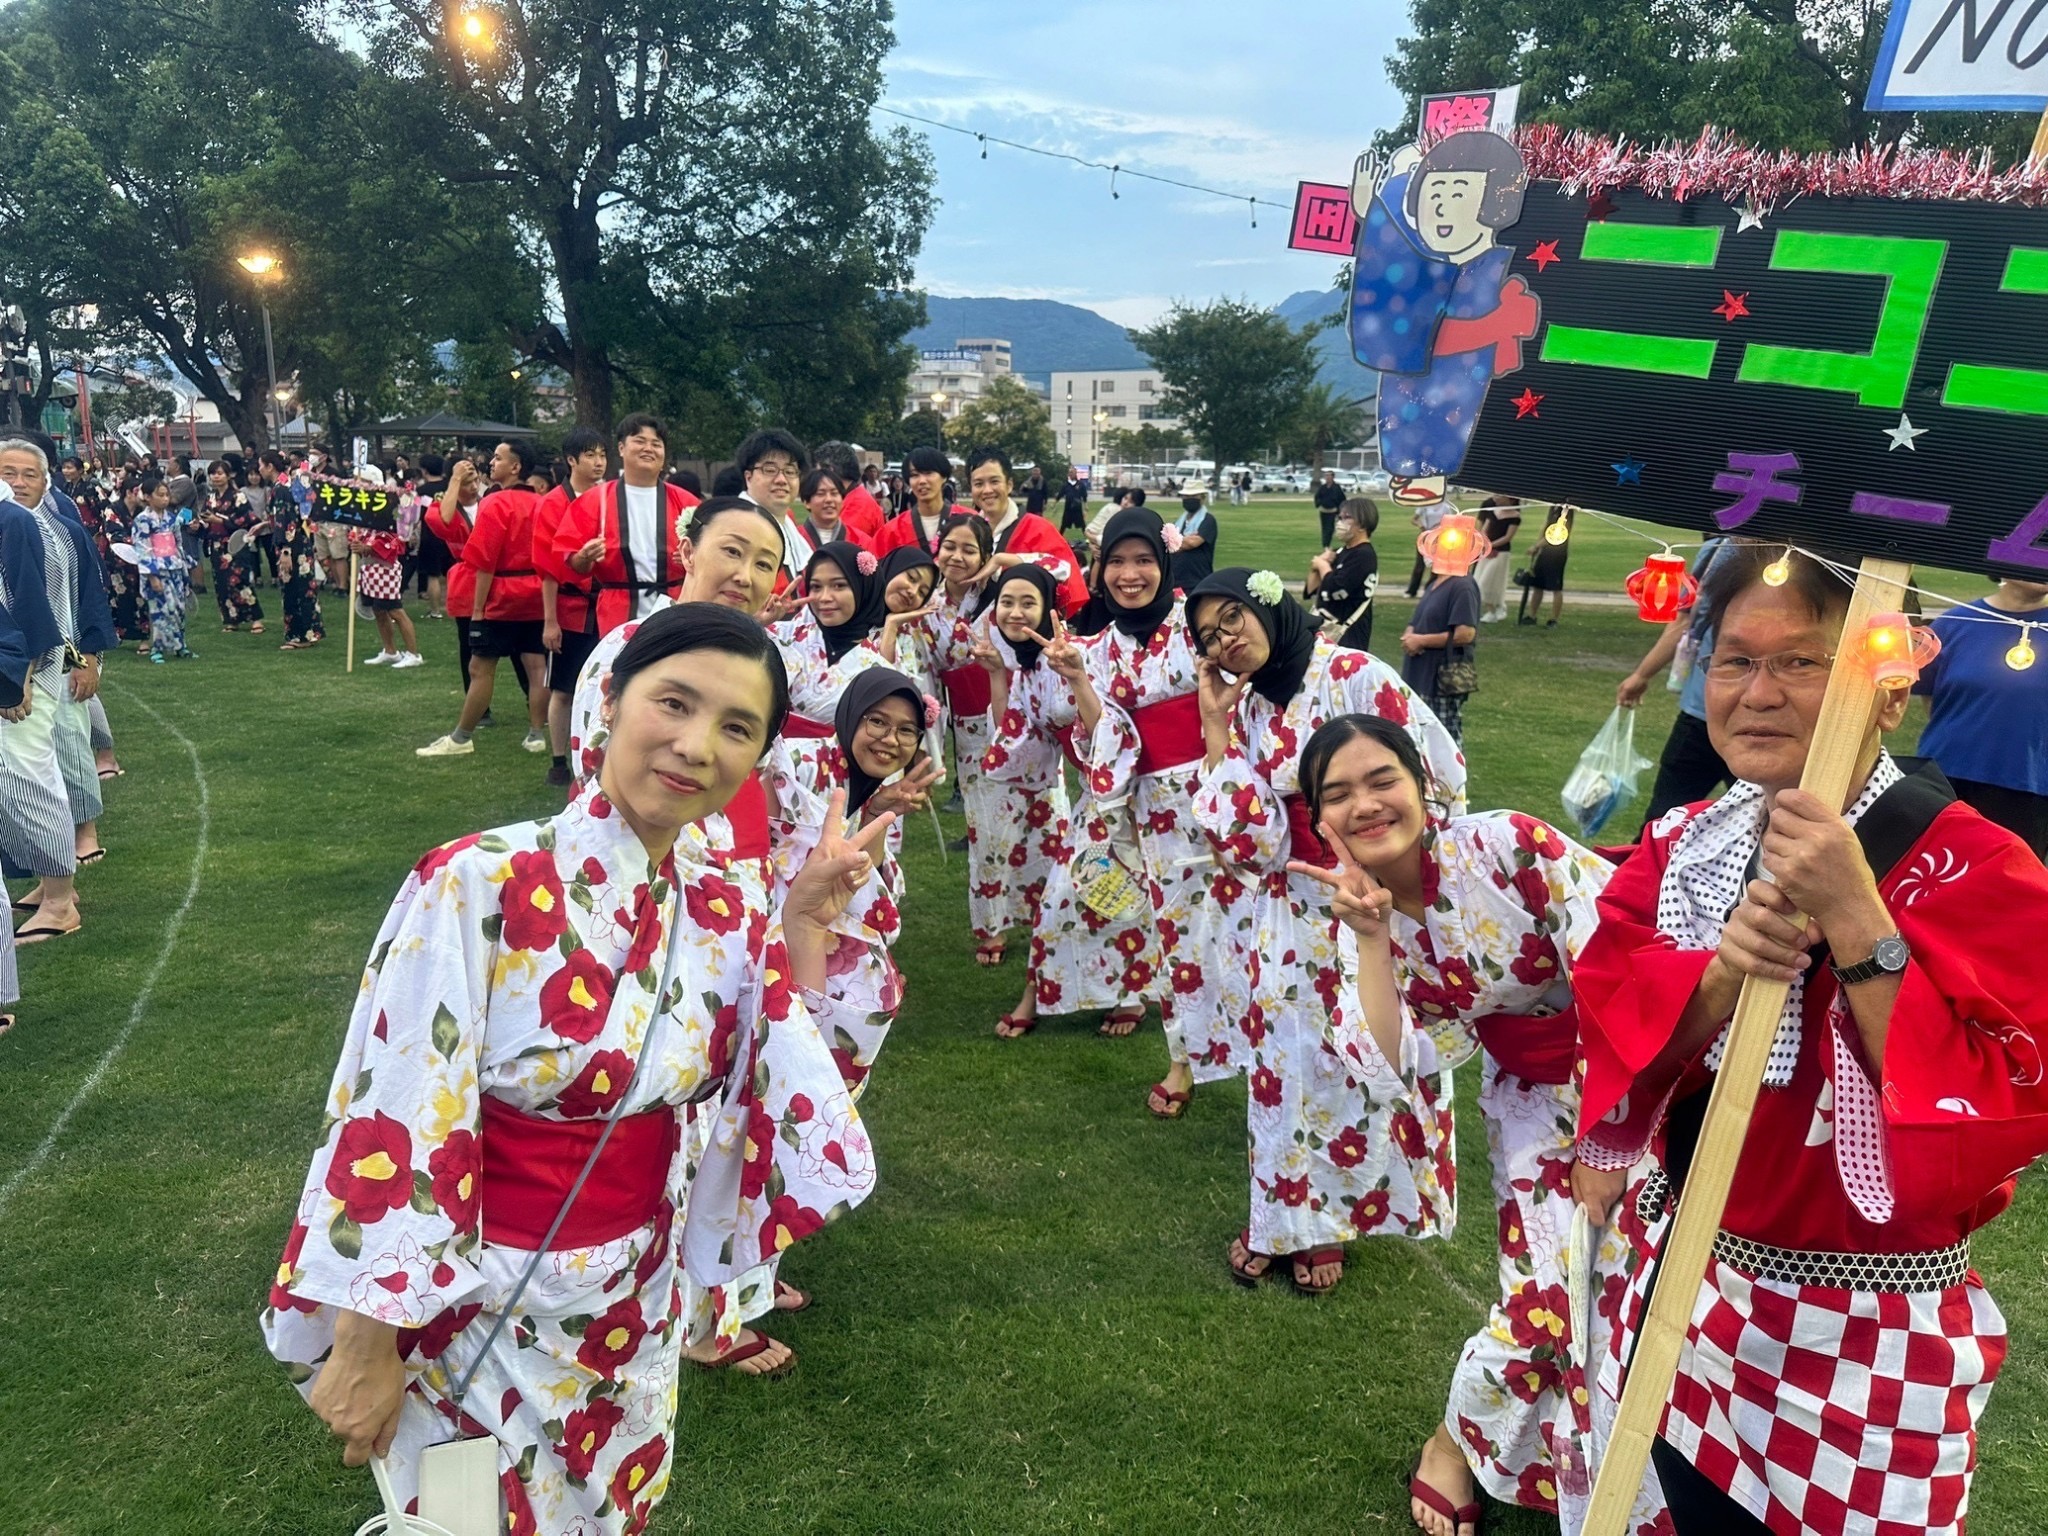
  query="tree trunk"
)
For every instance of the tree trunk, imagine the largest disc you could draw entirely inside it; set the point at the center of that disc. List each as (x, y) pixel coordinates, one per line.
(579, 268)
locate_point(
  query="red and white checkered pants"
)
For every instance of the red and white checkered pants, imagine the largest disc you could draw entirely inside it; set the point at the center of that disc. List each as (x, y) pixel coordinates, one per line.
(1827, 1412)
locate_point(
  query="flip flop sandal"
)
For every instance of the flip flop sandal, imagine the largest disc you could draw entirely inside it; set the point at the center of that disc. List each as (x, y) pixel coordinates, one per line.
(1176, 1103)
(1473, 1514)
(1248, 1278)
(6, 1022)
(29, 933)
(1131, 1016)
(761, 1345)
(28, 906)
(989, 956)
(113, 773)
(1022, 1027)
(92, 858)
(803, 1298)
(1311, 1261)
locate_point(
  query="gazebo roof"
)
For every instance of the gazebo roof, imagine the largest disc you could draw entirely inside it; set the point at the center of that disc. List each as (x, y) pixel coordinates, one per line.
(448, 424)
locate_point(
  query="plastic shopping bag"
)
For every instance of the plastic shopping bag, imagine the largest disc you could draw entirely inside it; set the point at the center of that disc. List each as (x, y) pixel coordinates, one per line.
(1607, 774)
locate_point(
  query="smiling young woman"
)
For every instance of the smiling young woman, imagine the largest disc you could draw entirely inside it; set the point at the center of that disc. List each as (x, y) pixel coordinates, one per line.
(504, 1017)
(1477, 921)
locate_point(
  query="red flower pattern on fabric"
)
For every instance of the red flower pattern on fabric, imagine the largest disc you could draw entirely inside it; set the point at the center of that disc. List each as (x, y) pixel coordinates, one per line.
(533, 902)
(456, 1168)
(586, 1432)
(611, 1338)
(371, 1174)
(715, 905)
(636, 1472)
(575, 999)
(598, 1086)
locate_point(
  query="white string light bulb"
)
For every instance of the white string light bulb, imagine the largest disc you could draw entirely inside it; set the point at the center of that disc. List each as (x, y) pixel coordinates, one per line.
(2021, 656)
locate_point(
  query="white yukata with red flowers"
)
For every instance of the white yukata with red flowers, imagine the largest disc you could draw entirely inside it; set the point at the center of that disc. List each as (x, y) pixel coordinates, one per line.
(1188, 881)
(1333, 1156)
(522, 965)
(1024, 769)
(815, 682)
(1510, 903)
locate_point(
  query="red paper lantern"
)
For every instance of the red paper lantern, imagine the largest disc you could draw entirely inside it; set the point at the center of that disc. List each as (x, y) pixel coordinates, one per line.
(1663, 589)
(1896, 650)
(1452, 546)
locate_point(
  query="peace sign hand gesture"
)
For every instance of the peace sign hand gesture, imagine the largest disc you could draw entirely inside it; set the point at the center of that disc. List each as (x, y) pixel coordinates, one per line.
(909, 794)
(985, 653)
(1060, 653)
(836, 869)
(783, 604)
(1357, 900)
(897, 622)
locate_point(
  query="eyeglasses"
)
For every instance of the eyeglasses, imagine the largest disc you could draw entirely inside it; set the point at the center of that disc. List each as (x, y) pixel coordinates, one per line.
(776, 469)
(1229, 622)
(882, 728)
(1793, 668)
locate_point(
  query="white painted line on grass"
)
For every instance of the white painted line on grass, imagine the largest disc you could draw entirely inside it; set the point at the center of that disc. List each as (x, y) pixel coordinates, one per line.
(98, 1075)
(1428, 1257)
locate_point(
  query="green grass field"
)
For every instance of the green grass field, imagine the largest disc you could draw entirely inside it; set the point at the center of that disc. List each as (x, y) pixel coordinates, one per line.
(1028, 1329)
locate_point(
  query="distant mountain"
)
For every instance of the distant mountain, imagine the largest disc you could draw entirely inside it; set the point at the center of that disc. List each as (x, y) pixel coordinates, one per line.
(1043, 333)
(1338, 368)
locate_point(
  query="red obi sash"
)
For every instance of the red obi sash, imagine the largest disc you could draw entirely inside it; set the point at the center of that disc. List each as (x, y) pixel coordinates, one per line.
(1303, 841)
(1169, 733)
(802, 728)
(967, 691)
(1536, 1050)
(747, 813)
(530, 1162)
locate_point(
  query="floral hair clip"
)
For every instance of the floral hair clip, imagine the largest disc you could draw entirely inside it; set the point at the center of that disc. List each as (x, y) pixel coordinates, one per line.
(931, 713)
(1169, 535)
(1266, 587)
(867, 562)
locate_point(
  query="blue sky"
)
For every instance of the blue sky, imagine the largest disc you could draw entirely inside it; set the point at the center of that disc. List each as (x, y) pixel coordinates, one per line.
(1247, 95)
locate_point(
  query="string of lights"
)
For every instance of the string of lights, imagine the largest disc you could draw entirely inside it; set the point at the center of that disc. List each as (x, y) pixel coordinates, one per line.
(1115, 171)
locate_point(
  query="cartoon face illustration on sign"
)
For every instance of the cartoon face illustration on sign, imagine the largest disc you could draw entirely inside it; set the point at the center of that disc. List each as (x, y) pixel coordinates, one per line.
(1433, 307)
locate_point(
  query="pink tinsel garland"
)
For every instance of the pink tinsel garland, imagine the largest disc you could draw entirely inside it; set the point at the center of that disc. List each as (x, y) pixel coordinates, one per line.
(1716, 165)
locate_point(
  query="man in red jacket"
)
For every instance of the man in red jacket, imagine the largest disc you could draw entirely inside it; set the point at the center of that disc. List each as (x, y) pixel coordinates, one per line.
(857, 509)
(504, 605)
(565, 631)
(1021, 535)
(621, 537)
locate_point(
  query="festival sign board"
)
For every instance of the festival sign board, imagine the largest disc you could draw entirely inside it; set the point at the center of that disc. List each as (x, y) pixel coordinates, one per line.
(1958, 56)
(1448, 112)
(1864, 373)
(357, 506)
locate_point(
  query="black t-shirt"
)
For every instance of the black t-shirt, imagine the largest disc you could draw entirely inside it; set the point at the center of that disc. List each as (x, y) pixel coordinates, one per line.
(1354, 578)
(1330, 497)
(1191, 565)
(1498, 525)
(1034, 497)
(1452, 604)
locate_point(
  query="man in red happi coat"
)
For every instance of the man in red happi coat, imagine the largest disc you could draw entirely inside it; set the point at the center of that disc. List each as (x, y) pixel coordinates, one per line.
(620, 538)
(1841, 1348)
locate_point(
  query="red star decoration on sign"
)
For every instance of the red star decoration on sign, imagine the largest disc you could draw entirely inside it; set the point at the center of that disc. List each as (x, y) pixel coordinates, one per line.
(1733, 306)
(1544, 254)
(1526, 403)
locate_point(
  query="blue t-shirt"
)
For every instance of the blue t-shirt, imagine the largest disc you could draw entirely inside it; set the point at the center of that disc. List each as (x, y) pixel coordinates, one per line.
(1986, 722)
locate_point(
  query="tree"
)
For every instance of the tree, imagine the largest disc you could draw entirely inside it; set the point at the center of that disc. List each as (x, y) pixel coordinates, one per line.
(142, 156)
(1781, 74)
(1008, 416)
(1148, 443)
(1233, 372)
(1324, 420)
(922, 428)
(698, 184)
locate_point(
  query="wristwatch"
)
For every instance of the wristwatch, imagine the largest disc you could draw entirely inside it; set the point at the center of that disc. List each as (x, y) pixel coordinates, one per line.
(1888, 959)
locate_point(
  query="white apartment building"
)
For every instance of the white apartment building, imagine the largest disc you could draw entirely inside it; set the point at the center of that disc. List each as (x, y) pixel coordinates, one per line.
(1087, 404)
(947, 379)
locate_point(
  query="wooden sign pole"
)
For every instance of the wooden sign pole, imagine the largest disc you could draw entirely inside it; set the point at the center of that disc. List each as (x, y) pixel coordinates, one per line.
(351, 609)
(1845, 717)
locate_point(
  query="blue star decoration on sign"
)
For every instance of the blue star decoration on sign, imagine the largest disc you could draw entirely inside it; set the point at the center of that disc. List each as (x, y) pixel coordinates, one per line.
(1628, 471)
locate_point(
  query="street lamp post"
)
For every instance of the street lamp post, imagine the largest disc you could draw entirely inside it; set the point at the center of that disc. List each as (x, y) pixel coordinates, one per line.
(517, 375)
(266, 268)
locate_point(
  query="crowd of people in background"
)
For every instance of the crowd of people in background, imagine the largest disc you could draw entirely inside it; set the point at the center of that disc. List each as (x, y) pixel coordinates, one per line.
(1186, 792)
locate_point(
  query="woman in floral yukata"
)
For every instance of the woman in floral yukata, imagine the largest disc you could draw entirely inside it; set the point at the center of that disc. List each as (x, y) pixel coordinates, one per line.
(1031, 704)
(1482, 917)
(225, 513)
(1331, 1157)
(165, 572)
(510, 1008)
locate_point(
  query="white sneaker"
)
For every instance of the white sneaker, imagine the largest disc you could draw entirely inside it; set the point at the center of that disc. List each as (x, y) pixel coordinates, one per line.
(408, 659)
(445, 746)
(535, 742)
(381, 659)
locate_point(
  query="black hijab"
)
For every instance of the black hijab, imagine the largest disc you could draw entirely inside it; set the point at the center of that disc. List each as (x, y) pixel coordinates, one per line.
(905, 557)
(869, 607)
(1048, 591)
(861, 695)
(1136, 523)
(1290, 632)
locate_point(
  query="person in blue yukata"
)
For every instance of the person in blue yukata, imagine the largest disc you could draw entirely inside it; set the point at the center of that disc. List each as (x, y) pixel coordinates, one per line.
(1433, 307)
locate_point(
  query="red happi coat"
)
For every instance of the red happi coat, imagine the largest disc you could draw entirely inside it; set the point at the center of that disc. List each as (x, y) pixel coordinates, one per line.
(1909, 1159)
(595, 513)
